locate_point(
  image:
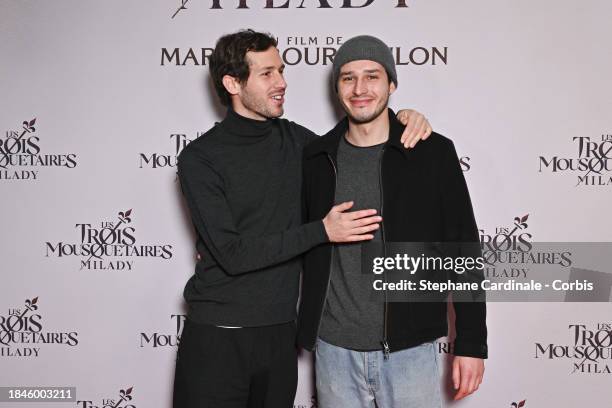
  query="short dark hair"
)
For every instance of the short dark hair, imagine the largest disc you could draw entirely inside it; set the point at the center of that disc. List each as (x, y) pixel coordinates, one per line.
(229, 58)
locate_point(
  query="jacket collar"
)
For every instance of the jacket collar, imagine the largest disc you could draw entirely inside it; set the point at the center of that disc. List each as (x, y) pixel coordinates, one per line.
(330, 141)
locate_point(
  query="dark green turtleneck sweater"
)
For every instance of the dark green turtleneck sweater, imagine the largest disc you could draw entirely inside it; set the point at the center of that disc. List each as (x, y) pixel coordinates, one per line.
(242, 183)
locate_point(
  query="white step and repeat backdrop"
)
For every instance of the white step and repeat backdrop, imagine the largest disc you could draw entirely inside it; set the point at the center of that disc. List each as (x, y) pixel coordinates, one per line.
(98, 97)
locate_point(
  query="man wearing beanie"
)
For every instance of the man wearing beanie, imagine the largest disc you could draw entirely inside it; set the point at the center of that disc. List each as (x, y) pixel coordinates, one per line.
(242, 182)
(372, 352)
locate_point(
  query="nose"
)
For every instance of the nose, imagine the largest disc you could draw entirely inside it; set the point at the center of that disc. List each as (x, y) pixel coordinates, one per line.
(360, 87)
(280, 81)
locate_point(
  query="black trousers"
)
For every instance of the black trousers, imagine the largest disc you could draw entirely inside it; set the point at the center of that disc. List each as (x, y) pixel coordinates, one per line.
(252, 367)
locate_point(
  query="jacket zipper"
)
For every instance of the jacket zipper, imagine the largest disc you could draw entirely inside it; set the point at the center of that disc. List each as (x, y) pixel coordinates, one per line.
(331, 257)
(385, 343)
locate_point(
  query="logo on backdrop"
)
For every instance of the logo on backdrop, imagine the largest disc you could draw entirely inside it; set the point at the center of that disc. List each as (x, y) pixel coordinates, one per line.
(22, 333)
(464, 162)
(512, 246)
(518, 404)
(21, 156)
(172, 339)
(592, 166)
(312, 50)
(164, 159)
(589, 350)
(217, 5)
(109, 245)
(123, 401)
(445, 347)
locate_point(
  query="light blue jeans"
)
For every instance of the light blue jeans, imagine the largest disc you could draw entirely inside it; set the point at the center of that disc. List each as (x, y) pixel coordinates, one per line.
(353, 379)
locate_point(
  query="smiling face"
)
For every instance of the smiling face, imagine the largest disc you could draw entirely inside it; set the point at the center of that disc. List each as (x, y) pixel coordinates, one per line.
(263, 94)
(363, 90)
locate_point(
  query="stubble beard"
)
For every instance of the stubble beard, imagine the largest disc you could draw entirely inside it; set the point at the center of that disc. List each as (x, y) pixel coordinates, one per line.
(260, 105)
(366, 117)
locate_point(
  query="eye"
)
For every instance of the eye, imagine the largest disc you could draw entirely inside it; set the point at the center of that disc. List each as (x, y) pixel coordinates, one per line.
(347, 79)
(372, 77)
(267, 73)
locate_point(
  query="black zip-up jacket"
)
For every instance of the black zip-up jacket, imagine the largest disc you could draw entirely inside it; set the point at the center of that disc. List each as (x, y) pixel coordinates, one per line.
(424, 199)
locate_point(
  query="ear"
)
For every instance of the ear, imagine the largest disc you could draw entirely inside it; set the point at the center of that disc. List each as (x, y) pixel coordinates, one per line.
(392, 87)
(231, 84)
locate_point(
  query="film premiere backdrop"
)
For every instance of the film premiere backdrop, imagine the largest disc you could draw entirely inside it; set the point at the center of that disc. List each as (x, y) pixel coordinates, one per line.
(98, 98)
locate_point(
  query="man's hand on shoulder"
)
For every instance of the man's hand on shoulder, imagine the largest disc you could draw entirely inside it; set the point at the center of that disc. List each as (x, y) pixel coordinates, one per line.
(417, 127)
(467, 375)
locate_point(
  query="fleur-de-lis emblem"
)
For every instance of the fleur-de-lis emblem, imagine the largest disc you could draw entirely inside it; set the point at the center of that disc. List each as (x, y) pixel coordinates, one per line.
(125, 216)
(126, 395)
(521, 222)
(31, 304)
(181, 7)
(29, 126)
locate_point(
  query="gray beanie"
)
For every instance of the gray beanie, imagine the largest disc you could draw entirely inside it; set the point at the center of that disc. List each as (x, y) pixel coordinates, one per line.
(364, 47)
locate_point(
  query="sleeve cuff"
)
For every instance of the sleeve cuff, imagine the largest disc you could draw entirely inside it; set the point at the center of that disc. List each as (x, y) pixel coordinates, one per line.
(471, 350)
(316, 230)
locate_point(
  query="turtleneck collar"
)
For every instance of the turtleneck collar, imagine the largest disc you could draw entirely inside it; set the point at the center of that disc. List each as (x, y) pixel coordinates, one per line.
(242, 126)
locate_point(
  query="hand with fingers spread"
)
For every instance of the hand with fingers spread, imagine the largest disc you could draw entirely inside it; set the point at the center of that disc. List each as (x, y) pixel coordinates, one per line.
(417, 127)
(467, 375)
(343, 226)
